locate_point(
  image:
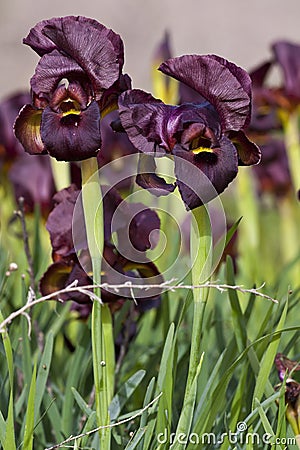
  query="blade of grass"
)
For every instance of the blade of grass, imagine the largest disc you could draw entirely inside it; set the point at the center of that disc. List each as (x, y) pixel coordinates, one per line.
(86, 410)
(136, 439)
(2, 429)
(124, 393)
(76, 364)
(186, 416)
(10, 440)
(268, 360)
(42, 374)
(29, 424)
(53, 416)
(165, 384)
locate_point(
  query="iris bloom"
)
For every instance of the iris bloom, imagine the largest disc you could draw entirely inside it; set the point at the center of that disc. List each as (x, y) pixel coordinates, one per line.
(67, 268)
(286, 95)
(208, 134)
(292, 390)
(9, 108)
(77, 78)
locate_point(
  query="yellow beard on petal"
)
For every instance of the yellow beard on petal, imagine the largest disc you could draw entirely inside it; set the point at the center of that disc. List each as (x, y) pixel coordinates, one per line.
(198, 150)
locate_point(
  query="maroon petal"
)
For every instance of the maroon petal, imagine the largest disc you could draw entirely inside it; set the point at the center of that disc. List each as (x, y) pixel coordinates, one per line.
(132, 221)
(288, 57)
(203, 176)
(55, 278)
(147, 178)
(59, 223)
(51, 69)
(226, 86)
(144, 118)
(98, 50)
(248, 152)
(40, 43)
(28, 130)
(259, 74)
(73, 137)
(31, 177)
(9, 109)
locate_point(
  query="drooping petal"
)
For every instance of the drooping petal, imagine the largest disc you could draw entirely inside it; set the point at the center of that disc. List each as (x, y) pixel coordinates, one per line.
(226, 86)
(98, 50)
(248, 152)
(55, 278)
(288, 57)
(28, 130)
(72, 137)
(147, 178)
(144, 119)
(201, 177)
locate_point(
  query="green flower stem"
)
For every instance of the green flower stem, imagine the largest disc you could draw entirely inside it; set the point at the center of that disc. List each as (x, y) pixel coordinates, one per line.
(102, 331)
(290, 122)
(201, 258)
(61, 173)
(201, 262)
(249, 228)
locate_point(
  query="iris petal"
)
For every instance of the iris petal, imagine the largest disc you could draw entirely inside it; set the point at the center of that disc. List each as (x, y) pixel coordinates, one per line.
(147, 178)
(27, 130)
(248, 152)
(226, 86)
(73, 137)
(144, 119)
(51, 69)
(98, 50)
(201, 177)
(288, 57)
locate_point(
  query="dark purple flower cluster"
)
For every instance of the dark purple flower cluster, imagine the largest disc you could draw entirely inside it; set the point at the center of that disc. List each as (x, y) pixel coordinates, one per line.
(78, 80)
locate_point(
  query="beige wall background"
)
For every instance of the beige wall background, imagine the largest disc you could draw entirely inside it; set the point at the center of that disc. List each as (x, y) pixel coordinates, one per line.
(238, 30)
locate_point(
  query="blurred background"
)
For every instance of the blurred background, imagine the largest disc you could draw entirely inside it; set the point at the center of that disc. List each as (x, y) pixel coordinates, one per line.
(237, 30)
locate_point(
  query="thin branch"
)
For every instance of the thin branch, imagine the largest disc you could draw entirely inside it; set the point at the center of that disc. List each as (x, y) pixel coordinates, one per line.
(73, 287)
(111, 425)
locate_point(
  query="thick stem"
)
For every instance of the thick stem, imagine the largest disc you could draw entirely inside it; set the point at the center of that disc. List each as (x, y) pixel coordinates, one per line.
(101, 326)
(201, 258)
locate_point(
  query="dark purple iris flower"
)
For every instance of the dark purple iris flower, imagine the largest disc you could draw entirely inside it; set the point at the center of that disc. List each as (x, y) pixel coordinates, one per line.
(67, 268)
(286, 366)
(208, 134)
(10, 147)
(286, 95)
(78, 77)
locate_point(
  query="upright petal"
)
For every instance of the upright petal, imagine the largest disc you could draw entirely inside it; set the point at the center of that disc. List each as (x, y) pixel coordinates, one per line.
(226, 86)
(288, 57)
(98, 50)
(51, 69)
(144, 119)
